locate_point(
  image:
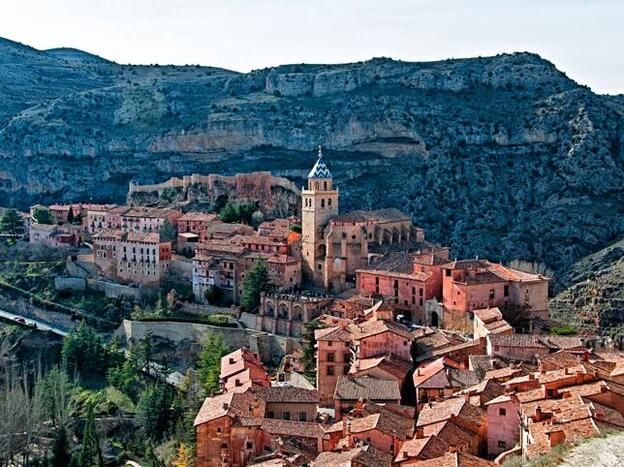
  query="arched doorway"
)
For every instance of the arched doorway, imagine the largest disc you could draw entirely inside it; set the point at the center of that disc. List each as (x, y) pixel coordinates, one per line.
(434, 319)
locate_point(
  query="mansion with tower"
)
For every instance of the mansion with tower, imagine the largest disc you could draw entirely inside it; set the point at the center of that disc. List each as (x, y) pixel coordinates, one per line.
(335, 246)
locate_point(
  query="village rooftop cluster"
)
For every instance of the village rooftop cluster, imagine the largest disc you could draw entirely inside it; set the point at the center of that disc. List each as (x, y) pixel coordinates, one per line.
(415, 362)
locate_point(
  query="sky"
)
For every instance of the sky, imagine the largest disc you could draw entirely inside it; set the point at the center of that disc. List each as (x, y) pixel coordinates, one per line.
(584, 38)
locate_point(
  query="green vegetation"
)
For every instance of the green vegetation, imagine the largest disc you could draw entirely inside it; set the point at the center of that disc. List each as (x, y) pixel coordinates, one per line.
(91, 453)
(296, 228)
(209, 364)
(11, 222)
(566, 330)
(43, 215)
(168, 232)
(308, 359)
(234, 212)
(255, 281)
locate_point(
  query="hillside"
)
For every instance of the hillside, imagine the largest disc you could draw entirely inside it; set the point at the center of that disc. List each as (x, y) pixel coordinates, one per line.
(593, 290)
(500, 157)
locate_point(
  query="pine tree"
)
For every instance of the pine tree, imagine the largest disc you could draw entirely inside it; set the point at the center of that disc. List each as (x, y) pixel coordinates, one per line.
(90, 454)
(43, 216)
(209, 364)
(11, 222)
(60, 451)
(255, 281)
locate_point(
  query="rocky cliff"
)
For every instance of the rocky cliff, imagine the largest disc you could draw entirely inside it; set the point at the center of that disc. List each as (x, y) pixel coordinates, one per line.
(500, 157)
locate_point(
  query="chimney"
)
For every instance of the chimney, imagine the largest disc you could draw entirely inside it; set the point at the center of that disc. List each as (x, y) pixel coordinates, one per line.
(586, 356)
(538, 413)
(419, 433)
(226, 406)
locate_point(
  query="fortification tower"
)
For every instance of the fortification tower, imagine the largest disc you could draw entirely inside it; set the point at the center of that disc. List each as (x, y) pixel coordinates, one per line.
(319, 203)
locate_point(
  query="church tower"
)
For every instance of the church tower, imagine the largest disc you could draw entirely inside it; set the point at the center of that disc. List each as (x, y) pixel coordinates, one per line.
(319, 204)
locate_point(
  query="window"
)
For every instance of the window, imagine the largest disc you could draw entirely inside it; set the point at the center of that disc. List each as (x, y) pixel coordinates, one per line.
(492, 293)
(396, 284)
(303, 417)
(344, 234)
(249, 445)
(421, 292)
(447, 272)
(502, 412)
(502, 444)
(330, 371)
(330, 357)
(329, 203)
(270, 414)
(286, 415)
(224, 445)
(322, 203)
(506, 291)
(218, 430)
(550, 392)
(421, 302)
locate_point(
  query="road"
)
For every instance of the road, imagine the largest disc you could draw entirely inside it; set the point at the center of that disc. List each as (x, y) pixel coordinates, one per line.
(40, 325)
(174, 378)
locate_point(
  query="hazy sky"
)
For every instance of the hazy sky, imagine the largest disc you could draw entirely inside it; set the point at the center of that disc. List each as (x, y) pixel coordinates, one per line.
(585, 38)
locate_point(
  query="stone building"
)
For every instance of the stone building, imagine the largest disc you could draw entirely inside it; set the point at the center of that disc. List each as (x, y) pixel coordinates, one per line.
(132, 257)
(286, 313)
(140, 219)
(335, 246)
(470, 285)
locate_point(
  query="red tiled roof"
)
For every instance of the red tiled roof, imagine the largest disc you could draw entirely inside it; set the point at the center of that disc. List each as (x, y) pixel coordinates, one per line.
(230, 403)
(287, 394)
(377, 216)
(366, 456)
(366, 388)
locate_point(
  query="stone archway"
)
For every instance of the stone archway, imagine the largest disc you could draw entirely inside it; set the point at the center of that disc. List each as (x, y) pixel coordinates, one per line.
(297, 313)
(435, 319)
(283, 311)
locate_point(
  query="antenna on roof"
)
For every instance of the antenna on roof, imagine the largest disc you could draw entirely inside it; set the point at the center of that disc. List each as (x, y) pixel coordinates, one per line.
(320, 153)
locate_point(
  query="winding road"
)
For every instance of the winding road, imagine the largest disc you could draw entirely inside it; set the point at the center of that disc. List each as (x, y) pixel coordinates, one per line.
(174, 378)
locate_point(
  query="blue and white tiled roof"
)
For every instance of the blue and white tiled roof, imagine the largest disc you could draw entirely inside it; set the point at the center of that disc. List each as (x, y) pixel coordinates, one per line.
(320, 170)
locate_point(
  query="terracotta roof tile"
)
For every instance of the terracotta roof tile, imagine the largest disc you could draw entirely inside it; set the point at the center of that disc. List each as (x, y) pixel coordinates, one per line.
(366, 388)
(288, 394)
(366, 456)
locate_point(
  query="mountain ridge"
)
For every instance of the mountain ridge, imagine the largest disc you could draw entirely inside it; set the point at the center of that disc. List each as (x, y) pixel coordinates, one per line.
(502, 157)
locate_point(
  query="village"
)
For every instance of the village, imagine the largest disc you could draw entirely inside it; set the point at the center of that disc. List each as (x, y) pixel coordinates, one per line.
(420, 358)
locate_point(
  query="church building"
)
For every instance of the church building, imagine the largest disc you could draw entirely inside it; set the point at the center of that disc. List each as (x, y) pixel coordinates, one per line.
(334, 246)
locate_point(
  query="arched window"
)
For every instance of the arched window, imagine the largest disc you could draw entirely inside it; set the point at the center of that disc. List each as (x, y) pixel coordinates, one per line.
(329, 202)
(322, 203)
(325, 186)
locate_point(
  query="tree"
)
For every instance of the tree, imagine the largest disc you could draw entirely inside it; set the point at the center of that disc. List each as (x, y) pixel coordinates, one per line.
(296, 228)
(83, 351)
(237, 212)
(209, 364)
(255, 281)
(60, 451)
(43, 215)
(184, 457)
(213, 294)
(11, 222)
(308, 359)
(90, 454)
(154, 410)
(167, 232)
(70, 215)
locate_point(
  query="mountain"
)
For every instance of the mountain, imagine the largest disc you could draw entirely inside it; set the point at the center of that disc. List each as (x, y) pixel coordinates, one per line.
(502, 157)
(592, 291)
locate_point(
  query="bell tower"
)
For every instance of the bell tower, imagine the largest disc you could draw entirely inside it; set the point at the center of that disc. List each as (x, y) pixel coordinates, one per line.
(319, 204)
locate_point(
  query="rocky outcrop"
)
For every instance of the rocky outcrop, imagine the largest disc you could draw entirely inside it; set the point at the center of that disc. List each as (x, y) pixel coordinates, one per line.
(592, 291)
(274, 196)
(502, 157)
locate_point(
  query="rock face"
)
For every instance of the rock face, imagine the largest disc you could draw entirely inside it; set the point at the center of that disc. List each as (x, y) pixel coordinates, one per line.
(592, 291)
(275, 196)
(502, 157)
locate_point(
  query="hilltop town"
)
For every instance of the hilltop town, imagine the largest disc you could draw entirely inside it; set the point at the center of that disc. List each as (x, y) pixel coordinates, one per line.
(348, 338)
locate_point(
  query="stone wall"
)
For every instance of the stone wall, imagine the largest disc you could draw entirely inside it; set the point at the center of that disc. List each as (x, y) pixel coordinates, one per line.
(70, 283)
(271, 348)
(276, 196)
